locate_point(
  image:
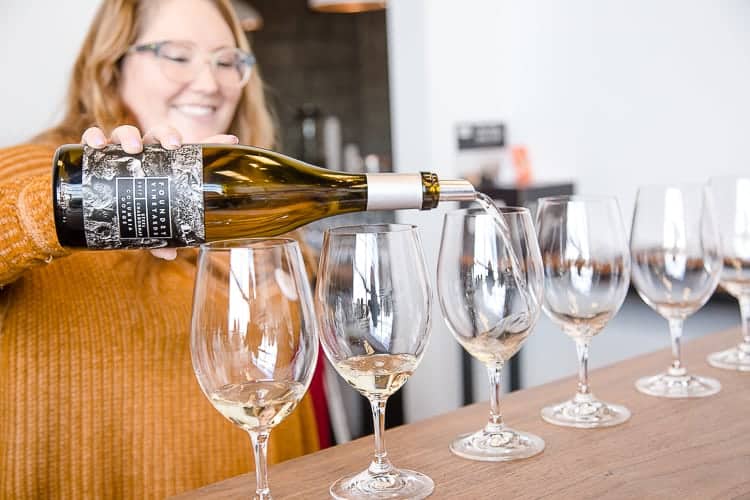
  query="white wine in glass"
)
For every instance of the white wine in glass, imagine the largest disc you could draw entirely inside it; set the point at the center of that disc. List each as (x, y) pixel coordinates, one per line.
(374, 304)
(258, 404)
(254, 336)
(378, 375)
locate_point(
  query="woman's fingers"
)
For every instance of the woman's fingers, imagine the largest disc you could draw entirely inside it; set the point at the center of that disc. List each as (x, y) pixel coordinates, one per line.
(167, 136)
(94, 137)
(221, 139)
(129, 137)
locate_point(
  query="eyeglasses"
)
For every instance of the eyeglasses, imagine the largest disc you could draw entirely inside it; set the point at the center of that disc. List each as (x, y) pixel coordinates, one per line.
(181, 62)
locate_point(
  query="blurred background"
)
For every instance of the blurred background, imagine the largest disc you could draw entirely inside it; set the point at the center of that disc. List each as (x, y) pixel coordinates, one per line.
(523, 97)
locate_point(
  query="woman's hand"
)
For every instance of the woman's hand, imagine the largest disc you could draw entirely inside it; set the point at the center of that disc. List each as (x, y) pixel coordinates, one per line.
(131, 140)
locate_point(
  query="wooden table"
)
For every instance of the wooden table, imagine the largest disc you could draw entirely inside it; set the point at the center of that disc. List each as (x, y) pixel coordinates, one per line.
(683, 449)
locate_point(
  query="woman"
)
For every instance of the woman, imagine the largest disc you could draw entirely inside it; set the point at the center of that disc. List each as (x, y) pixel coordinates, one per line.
(98, 397)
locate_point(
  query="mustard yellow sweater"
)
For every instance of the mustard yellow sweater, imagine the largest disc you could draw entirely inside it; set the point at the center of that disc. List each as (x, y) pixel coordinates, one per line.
(97, 393)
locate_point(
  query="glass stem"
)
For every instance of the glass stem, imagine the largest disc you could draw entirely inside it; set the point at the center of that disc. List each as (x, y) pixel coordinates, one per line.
(380, 463)
(675, 331)
(745, 313)
(495, 372)
(260, 445)
(582, 347)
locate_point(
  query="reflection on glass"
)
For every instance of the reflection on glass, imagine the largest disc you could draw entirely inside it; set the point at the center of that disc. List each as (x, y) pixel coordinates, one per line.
(374, 304)
(732, 199)
(254, 336)
(586, 275)
(489, 314)
(676, 265)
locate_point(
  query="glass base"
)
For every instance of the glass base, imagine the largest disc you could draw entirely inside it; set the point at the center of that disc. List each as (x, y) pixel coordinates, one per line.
(497, 445)
(395, 484)
(736, 358)
(666, 385)
(585, 412)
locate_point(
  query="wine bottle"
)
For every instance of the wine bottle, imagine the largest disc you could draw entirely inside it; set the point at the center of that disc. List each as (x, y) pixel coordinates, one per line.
(109, 199)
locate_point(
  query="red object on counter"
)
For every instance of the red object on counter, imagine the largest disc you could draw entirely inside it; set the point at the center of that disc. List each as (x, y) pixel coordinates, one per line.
(320, 405)
(522, 164)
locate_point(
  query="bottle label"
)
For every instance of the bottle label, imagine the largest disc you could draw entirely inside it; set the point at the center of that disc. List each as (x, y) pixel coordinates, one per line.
(146, 200)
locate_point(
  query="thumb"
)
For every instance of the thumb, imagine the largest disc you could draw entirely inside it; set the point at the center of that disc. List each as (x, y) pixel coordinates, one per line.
(164, 253)
(221, 139)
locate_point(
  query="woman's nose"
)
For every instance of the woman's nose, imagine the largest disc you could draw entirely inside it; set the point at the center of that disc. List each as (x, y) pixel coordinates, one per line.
(205, 80)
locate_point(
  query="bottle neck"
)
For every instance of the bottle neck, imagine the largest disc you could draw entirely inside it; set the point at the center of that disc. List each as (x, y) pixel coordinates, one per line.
(387, 191)
(423, 191)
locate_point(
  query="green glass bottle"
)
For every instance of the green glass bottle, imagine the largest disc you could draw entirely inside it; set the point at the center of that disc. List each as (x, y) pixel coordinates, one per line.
(109, 199)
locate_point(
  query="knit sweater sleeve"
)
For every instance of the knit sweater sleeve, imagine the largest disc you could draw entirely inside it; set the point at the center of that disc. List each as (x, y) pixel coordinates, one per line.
(27, 226)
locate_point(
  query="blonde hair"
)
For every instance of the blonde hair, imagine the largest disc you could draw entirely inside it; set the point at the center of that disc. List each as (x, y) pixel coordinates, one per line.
(93, 97)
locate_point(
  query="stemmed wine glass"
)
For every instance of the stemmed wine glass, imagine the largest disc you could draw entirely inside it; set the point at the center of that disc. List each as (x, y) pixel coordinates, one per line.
(731, 197)
(254, 338)
(586, 275)
(676, 265)
(491, 307)
(374, 303)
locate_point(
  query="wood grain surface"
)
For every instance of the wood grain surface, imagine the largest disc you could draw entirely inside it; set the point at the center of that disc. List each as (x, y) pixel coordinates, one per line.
(684, 449)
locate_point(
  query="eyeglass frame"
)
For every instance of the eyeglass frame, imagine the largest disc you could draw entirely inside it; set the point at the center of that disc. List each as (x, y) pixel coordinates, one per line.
(155, 47)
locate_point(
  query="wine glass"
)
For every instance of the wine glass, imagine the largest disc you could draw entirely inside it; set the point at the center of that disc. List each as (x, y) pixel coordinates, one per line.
(254, 339)
(731, 196)
(586, 275)
(676, 265)
(374, 303)
(491, 307)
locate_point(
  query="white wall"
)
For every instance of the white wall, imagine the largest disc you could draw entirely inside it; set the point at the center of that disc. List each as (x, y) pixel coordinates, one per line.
(40, 40)
(610, 94)
(435, 82)
(619, 93)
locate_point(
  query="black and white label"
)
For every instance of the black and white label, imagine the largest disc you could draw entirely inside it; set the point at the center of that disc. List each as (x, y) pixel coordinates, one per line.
(146, 200)
(144, 207)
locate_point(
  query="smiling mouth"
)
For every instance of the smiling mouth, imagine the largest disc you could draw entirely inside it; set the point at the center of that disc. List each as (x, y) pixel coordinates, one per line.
(195, 110)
